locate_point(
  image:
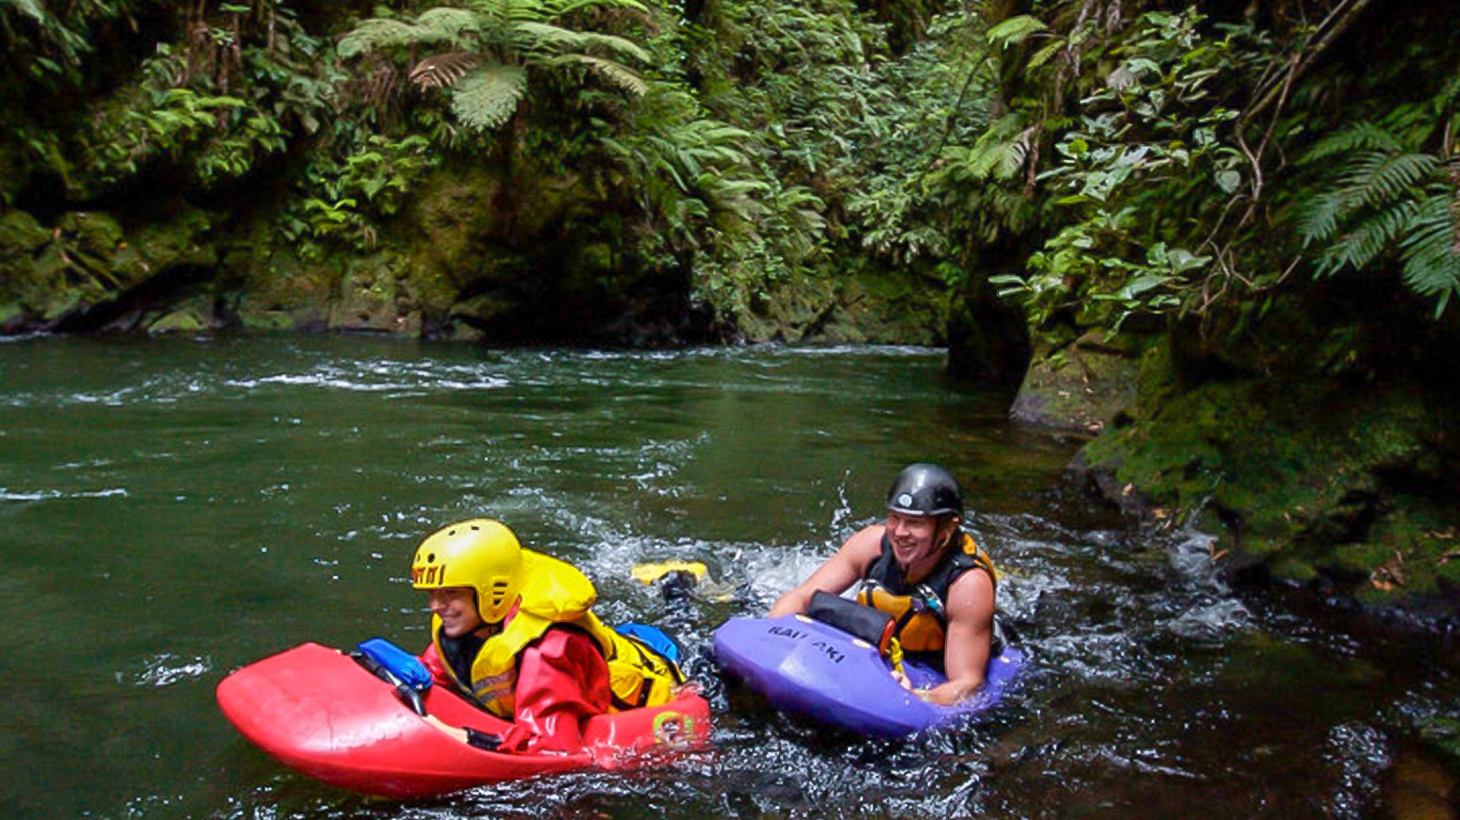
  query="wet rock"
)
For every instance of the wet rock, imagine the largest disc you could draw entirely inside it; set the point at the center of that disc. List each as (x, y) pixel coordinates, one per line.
(89, 272)
(862, 307)
(1084, 390)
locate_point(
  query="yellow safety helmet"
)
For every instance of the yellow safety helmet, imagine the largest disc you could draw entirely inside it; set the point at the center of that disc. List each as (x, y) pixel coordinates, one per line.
(481, 554)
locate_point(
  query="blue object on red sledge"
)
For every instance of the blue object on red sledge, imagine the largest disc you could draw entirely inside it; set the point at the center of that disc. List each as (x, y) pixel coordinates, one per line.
(653, 637)
(806, 667)
(406, 667)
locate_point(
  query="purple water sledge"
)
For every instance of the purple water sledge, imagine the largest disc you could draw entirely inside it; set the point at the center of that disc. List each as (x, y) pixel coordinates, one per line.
(806, 667)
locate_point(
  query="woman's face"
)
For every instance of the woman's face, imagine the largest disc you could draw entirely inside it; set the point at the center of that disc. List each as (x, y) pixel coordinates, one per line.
(457, 609)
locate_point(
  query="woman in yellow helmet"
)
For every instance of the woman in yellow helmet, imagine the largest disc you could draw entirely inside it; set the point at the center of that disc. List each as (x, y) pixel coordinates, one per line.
(926, 573)
(513, 630)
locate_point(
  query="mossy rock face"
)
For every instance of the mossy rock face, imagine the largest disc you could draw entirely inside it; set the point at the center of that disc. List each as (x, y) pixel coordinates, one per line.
(1084, 390)
(346, 293)
(13, 318)
(275, 289)
(791, 311)
(879, 306)
(370, 300)
(25, 289)
(858, 307)
(184, 239)
(78, 271)
(1313, 479)
(284, 295)
(445, 231)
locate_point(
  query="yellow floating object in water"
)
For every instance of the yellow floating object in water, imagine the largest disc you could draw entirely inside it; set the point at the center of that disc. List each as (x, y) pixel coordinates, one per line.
(649, 573)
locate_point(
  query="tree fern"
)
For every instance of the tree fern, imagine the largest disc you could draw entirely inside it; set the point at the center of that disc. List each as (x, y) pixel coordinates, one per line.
(491, 44)
(1000, 152)
(1379, 178)
(486, 97)
(453, 27)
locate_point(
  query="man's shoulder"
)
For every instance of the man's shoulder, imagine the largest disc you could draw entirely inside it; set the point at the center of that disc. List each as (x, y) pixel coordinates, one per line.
(865, 544)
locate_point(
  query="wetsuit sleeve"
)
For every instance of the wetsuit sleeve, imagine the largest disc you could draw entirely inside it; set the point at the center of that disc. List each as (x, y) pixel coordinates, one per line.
(433, 663)
(562, 680)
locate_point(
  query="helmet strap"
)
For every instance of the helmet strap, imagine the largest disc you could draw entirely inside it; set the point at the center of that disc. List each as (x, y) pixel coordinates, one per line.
(946, 539)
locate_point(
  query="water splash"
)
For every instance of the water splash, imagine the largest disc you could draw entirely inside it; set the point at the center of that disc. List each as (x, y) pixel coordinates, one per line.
(167, 669)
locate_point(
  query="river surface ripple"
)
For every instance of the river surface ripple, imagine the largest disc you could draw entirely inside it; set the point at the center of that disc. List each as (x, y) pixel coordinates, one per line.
(174, 509)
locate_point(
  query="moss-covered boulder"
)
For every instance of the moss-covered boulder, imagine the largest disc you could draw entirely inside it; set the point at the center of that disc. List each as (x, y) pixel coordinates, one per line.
(25, 292)
(90, 270)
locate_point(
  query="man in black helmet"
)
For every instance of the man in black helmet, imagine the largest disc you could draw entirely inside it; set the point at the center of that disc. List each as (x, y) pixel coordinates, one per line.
(926, 573)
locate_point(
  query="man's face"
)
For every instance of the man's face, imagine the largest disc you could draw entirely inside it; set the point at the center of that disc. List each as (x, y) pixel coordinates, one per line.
(913, 537)
(457, 608)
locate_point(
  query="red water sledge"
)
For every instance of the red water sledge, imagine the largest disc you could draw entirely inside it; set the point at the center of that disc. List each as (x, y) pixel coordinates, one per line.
(320, 712)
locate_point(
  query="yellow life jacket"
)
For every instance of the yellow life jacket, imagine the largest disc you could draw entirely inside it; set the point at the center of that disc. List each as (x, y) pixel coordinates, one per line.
(920, 610)
(555, 593)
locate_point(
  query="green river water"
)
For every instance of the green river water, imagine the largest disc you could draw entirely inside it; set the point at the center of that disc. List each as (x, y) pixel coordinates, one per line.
(174, 509)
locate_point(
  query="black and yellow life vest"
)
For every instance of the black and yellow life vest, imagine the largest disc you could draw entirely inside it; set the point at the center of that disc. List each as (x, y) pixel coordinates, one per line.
(556, 593)
(920, 610)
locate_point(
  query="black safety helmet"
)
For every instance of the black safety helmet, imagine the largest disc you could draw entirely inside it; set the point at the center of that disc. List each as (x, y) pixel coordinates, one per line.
(925, 489)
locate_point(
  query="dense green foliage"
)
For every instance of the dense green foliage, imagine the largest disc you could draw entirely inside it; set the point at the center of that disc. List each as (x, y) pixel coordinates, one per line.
(1143, 154)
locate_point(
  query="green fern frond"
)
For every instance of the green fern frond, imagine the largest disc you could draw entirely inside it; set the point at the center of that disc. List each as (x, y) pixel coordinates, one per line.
(617, 73)
(1015, 155)
(559, 8)
(736, 187)
(1046, 53)
(995, 155)
(512, 12)
(534, 37)
(1372, 182)
(661, 163)
(1320, 221)
(1363, 136)
(803, 209)
(434, 26)
(1370, 238)
(734, 197)
(374, 33)
(718, 133)
(487, 97)
(441, 70)
(496, 15)
(1432, 249)
(1449, 95)
(1375, 179)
